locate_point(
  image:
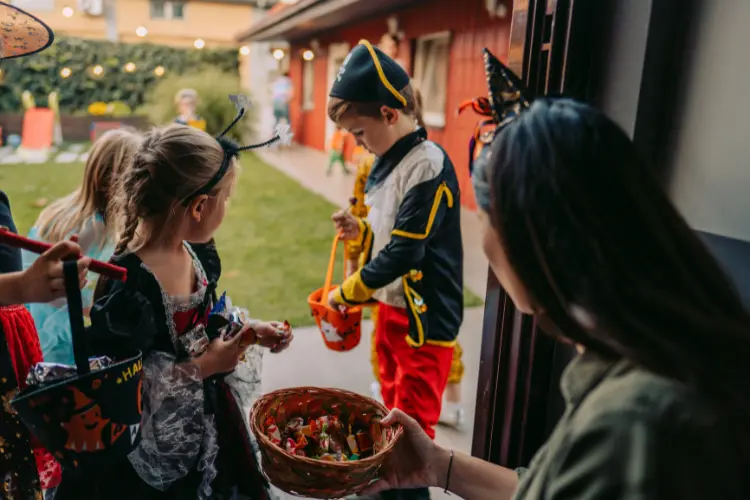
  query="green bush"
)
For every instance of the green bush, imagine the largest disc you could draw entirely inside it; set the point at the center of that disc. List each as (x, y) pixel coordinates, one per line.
(40, 74)
(214, 88)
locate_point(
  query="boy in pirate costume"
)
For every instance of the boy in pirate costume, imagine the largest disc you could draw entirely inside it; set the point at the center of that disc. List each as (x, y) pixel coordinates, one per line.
(452, 413)
(410, 242)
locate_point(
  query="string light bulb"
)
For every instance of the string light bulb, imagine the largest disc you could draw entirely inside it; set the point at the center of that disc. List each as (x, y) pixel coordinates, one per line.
(141, 31)
(278, 54)
(308, 55)
(245, 50)
(199, 43)
(66, 72)
(68, 11)
(159, 71)
(98, 70)
(130, 67)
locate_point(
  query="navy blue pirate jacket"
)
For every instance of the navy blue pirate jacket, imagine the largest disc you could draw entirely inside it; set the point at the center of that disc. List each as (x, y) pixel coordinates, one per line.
(411, 241)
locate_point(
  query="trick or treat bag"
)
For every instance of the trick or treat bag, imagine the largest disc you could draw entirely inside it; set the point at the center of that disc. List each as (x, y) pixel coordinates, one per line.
(87, 413)
(341, 331)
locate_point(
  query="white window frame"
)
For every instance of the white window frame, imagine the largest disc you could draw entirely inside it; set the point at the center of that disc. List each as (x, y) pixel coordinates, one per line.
(432, 118)
(34, 5)
(308, 71)
(168, 10)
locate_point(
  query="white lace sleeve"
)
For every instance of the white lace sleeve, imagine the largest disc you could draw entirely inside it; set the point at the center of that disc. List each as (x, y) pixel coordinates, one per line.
(173, 423)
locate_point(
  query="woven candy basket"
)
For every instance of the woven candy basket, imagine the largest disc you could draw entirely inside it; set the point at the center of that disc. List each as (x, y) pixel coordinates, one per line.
(303, 476)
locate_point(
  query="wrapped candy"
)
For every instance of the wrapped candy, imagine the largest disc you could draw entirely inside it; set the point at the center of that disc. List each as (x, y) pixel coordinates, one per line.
(326, 438)
(272, 430)
(352, 442)
(291, 446)
(295, 425)
(335, 445)
(364, 442)
(301, 443)
(325, 442)
(45, 373)
(378, 435)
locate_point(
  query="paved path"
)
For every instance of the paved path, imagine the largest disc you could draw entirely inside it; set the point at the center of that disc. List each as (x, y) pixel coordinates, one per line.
(67, 154)
(308, 362)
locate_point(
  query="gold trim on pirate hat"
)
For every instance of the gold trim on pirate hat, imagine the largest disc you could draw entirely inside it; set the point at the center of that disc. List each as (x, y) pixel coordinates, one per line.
(22, 34)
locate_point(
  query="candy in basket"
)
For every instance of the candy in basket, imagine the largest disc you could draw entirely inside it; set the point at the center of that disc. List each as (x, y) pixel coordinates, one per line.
(321, 443)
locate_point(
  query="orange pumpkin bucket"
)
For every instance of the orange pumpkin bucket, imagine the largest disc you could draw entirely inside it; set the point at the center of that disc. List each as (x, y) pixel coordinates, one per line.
(341, 331)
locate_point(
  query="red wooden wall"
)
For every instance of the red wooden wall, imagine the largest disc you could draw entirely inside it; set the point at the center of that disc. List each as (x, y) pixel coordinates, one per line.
(471, 29)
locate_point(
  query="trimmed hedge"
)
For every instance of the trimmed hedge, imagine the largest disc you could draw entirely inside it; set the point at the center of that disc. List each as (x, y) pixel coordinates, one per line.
(40, 73)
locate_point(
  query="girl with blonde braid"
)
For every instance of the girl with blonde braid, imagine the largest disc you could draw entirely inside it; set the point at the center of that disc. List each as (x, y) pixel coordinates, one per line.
(195, 443)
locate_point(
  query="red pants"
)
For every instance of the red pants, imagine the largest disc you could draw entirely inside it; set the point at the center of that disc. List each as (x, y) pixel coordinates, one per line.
(412, 380)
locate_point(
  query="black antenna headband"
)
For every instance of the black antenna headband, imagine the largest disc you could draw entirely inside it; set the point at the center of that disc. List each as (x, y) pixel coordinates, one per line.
(232, 150)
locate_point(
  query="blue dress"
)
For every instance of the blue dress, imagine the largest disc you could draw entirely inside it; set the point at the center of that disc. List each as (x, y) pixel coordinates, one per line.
(51, 319)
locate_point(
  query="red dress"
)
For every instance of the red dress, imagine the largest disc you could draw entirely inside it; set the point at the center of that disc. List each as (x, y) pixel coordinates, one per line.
(24, 351)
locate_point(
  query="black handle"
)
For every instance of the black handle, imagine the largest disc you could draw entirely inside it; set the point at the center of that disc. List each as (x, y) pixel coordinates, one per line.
(75, 312)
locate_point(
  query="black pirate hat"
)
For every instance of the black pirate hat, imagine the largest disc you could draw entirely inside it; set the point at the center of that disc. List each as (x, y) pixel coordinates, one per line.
(21, 33)
(369, 75)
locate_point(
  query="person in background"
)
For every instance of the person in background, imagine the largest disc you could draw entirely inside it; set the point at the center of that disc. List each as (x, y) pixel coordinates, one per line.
(282, 92)
(186, 102)
(85, 213)
(390, 45)
(580, 234)
(336, 153)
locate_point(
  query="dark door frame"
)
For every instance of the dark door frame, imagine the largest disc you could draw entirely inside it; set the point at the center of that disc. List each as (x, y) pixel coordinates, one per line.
(563, 47)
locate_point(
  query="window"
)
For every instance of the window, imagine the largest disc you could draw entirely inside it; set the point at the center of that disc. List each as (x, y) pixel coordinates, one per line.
(34, 5)
(308, 86)
(178, 10)
(167, 9)
(431, 76)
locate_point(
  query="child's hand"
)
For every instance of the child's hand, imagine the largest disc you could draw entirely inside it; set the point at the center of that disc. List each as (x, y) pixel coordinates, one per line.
(346, 225)
(334, 304)
(43, 281)
(221, 356)
(273, 335)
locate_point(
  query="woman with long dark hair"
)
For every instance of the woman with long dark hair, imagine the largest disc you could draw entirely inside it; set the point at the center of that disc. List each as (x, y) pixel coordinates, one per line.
(581, 235)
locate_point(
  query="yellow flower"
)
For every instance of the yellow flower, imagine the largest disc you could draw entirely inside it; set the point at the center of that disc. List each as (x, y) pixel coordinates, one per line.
(98, 108)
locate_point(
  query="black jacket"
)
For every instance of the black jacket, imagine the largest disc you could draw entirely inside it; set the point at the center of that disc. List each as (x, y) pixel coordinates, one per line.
(411, 240)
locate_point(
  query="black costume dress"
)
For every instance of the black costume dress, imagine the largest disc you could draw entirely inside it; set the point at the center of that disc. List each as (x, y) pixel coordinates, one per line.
(195, 443)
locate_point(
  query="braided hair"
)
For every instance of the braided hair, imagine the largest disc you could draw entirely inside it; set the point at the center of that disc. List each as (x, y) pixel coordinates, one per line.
(173, 166)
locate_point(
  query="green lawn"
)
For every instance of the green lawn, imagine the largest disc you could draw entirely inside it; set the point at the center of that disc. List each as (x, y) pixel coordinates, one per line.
(274, 243)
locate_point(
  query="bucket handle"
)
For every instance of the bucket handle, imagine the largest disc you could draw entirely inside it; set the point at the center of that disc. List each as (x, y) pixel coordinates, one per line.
(75, 313)
(331, 266)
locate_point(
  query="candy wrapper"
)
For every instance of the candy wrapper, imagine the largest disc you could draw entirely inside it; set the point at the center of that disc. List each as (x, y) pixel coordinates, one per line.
(47, 373)
(225, 319)
(325, 438)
